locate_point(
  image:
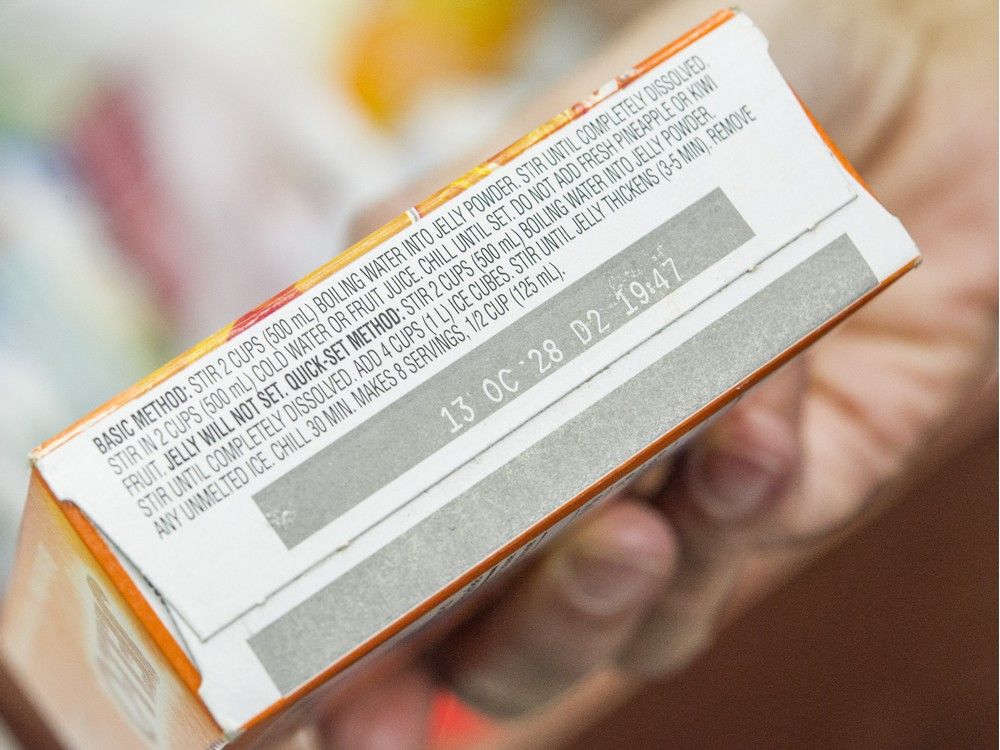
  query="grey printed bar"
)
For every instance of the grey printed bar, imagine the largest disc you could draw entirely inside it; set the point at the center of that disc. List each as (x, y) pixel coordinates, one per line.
(417, 564)
(338, 477)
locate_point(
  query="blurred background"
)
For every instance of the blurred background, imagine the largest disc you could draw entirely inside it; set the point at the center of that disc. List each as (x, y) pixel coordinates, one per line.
(166, 166)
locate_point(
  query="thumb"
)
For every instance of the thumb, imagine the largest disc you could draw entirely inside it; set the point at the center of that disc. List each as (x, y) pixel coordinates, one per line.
(852, 63)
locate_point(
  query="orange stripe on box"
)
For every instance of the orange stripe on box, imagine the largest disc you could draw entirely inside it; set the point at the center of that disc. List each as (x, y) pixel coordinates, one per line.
(123, 583)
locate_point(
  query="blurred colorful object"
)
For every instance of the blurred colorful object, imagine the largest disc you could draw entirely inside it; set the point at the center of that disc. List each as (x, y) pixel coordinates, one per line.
(74, 322)
(402, 45)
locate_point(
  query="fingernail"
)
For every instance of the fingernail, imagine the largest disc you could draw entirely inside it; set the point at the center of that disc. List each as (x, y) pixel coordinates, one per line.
(729, 485)
(605, 586)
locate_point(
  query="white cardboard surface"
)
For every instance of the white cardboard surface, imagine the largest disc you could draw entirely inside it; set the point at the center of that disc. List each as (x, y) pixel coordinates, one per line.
(227, 574)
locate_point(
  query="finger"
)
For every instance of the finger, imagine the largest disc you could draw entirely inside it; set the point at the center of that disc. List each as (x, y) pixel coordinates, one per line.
(649, 484)
(737, 478)
(572, 614)
(391, 715)
(720, 504)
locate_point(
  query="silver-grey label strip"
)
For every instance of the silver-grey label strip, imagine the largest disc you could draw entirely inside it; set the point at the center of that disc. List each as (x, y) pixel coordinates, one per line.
(318, 491)
(416, 565)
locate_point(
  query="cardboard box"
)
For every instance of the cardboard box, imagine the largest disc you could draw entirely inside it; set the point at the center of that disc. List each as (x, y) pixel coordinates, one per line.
(228, 541)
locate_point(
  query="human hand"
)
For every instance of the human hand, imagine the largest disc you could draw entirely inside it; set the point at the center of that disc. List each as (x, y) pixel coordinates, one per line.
(644, 583)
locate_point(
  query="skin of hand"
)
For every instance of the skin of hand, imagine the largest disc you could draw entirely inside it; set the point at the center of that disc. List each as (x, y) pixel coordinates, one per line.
(642, 585)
